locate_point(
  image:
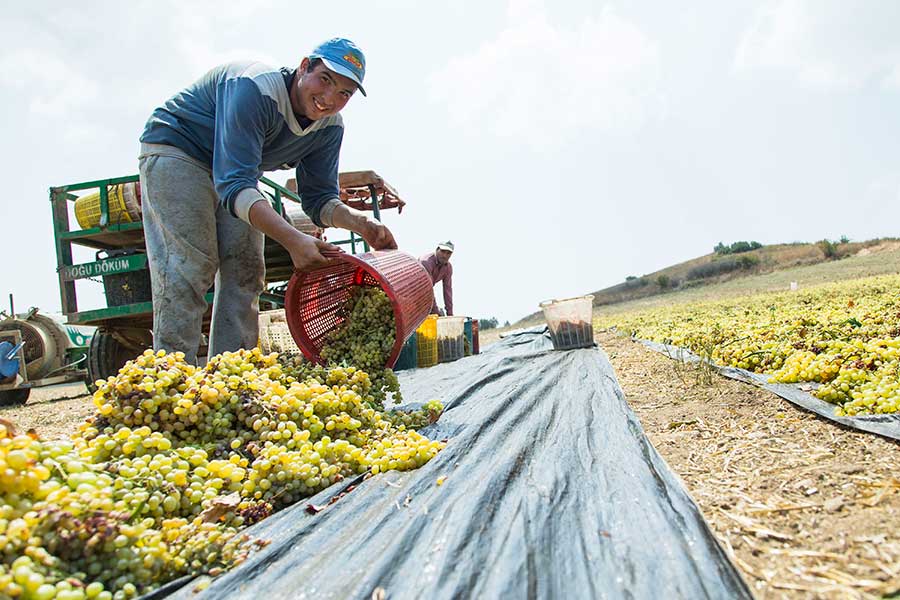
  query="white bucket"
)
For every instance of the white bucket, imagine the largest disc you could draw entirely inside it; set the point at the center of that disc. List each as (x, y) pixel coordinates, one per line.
(570, 322)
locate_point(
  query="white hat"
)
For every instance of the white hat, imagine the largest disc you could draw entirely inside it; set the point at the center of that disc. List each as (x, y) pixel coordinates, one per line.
(448, 246)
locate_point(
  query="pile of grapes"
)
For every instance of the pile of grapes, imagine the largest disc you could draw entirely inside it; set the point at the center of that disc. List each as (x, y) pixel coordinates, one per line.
(843, 336)
(365, 339)
(177, 461)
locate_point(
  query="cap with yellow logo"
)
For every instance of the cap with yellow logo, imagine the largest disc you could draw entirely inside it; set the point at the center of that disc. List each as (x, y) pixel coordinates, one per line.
(344, 58)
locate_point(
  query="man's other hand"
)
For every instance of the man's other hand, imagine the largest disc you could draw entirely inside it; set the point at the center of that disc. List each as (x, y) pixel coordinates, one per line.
(378, 236)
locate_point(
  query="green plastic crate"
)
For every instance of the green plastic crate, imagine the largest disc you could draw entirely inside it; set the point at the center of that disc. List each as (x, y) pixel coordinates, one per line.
(409, 355)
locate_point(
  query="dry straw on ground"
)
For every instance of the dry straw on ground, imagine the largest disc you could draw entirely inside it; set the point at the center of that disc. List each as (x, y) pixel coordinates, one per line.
(804, 508)
(54, 412)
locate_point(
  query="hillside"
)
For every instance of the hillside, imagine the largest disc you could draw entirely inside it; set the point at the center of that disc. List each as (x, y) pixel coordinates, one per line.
(713, 268)
(877, 259)
(765, 269)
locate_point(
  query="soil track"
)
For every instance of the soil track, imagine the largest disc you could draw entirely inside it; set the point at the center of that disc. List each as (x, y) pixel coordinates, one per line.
(805, 508)
(54, 412)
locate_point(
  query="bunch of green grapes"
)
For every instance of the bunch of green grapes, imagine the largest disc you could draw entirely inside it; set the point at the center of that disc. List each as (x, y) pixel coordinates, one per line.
(177, 460)
(365, 339)
(416, 419)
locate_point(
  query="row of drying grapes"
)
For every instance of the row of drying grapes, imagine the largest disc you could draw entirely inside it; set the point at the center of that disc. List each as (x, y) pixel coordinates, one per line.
(844, 337)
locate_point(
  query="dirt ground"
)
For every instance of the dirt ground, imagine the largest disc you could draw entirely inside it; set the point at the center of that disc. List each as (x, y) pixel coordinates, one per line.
(54, 412)
(804, 507)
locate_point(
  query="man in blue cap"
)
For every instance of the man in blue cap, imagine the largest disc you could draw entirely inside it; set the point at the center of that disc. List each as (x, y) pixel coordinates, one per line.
(205, 220)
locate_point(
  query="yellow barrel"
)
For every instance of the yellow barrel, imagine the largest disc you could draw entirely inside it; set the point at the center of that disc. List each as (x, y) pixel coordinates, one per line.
(426, 340)
(124, 206)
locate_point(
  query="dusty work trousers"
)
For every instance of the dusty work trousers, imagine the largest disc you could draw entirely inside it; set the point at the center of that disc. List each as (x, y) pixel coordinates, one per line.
(193, 241)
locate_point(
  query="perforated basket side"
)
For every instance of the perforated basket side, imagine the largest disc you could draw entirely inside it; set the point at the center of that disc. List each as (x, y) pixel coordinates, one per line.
(122, 208)
(408, 285)
(313, 303)
(314, 300)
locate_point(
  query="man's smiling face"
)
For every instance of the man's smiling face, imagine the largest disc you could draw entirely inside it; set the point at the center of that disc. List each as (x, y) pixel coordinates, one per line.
(320, 93)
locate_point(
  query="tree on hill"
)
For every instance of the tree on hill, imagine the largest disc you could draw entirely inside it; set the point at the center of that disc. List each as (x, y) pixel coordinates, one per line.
(828, 248)
(736, 247)
(489, 323)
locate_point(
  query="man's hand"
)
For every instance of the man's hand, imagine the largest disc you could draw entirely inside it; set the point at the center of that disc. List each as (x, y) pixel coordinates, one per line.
(308, 253)
(378, 235)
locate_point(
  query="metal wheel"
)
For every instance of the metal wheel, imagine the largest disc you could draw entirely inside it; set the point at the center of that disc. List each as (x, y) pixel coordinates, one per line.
(16, 396)
(111, 349)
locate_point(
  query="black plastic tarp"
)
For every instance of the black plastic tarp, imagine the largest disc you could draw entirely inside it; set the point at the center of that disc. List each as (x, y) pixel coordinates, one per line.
(796, 393)
(552, 491)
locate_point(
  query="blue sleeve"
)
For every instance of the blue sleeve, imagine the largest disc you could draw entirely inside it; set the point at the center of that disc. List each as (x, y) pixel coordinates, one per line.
(242, 117)
(317, 173)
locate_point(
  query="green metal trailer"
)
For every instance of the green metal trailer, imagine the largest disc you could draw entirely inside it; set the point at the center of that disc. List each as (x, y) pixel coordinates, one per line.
(124, 328)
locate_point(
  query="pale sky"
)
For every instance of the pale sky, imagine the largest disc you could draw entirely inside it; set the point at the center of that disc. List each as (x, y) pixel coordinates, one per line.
(561, 146)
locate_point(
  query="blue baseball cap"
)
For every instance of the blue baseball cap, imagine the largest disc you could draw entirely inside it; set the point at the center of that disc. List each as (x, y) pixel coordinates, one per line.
(344, 58)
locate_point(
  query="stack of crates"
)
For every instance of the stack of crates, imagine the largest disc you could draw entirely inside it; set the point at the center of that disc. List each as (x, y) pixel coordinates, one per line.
(426, 342)
(275, 335)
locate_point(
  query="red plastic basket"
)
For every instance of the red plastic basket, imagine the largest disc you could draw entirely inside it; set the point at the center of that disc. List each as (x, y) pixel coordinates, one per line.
(314, 298)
